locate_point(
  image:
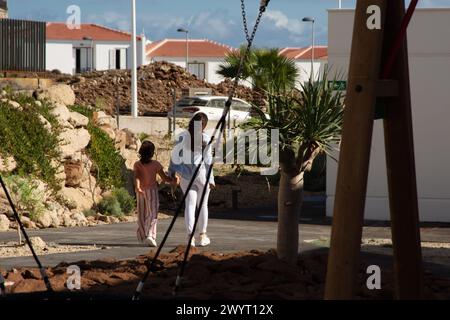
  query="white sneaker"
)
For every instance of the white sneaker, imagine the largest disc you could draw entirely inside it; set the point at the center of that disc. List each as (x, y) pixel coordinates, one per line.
(151, 242)
(192, 241)
(204, 240)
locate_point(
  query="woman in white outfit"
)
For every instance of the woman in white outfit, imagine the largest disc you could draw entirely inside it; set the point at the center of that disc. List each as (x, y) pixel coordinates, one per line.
(186, 155)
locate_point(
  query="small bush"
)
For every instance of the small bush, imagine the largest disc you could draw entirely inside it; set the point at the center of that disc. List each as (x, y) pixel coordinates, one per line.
(126, 201)
(26, 197)
(108, 160)
(84, 110)
(110, 206)
(89, 213)
(23, 136)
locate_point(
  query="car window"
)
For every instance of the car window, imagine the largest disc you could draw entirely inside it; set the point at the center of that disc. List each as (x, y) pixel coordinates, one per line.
(189, 102)
(239, 106)
(216, 103)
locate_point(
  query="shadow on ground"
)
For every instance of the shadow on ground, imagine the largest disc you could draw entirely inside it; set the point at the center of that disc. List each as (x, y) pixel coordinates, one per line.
(250, 275)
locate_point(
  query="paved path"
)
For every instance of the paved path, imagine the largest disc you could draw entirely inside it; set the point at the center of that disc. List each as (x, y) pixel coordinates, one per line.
(226, 236)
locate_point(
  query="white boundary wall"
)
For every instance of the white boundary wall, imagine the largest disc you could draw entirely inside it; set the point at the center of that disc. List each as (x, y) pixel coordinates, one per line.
(429, 50)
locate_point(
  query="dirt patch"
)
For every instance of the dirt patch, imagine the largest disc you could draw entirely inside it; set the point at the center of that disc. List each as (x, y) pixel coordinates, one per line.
(213, 275)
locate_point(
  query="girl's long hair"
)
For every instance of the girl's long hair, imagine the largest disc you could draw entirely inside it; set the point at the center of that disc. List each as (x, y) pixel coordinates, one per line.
(200, 116)
(146, 152)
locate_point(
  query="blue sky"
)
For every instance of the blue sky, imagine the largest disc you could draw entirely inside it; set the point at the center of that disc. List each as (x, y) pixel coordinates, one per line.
(218, 20)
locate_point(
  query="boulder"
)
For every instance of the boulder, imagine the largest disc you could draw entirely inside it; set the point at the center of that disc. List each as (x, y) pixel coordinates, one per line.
(78, 120)
(27, 223)
(59, 93)
(74, 173)
(7, 164)
(81, 199)
(15, 105)
(62, 114)
(101, 119)
(73, 141)
(44, 220)
(4, 223)
(38, 243)
(56, 211)
(79, 219)
(67, 221)
(109, 131)
(130, 156)
(45, 122)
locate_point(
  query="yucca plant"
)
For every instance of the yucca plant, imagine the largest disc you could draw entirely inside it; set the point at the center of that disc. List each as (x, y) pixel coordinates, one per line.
(309, 121)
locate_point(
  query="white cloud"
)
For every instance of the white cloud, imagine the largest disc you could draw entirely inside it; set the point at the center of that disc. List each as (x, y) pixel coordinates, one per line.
(282, 21)
(113, 19)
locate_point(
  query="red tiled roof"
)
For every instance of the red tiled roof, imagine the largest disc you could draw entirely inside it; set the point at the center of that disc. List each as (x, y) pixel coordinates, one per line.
(197, 48)
(60, 31)
(320, 52)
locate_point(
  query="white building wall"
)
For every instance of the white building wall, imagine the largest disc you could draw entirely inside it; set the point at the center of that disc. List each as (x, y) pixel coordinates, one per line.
(429, 50)
(102, 54)
(304, 68)
(60, 56)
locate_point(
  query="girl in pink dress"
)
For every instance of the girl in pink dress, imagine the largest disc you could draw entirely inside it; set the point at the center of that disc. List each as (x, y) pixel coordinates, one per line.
(145, 171)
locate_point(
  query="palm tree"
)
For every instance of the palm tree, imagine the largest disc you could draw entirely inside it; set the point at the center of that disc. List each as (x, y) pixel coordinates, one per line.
(309, 121)
(264, 68)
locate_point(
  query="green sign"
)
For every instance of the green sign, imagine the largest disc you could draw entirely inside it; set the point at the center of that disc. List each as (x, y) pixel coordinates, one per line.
(338, 85)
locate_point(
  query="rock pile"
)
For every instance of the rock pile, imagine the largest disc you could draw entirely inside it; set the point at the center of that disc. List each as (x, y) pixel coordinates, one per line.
(76, 171)
(155, 82)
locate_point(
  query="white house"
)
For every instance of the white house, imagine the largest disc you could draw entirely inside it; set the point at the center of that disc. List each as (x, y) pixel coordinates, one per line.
(303, 61)
(92, 47)
(3, 9)
(204, 56)
(429, 53)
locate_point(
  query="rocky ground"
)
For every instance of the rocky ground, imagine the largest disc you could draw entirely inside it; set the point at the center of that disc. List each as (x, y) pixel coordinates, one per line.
(16, 249)
(76, 171)
(212, 275)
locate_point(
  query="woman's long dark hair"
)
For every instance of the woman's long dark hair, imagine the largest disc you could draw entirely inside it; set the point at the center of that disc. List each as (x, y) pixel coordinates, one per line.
(204, 120)
(146, 152)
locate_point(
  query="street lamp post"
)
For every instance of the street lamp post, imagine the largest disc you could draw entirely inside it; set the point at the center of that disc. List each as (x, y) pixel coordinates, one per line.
(134, 89)
(187, 46)
(312, 20)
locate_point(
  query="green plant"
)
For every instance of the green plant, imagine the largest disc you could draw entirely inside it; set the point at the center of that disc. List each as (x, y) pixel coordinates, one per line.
(309, 123)
(100, 103)
(26, 195)
(89, 213)
(110, 206)
(265, 68)
(24, 136)
(108, 160)
(84, 110)
(143, 136)
(126, 201)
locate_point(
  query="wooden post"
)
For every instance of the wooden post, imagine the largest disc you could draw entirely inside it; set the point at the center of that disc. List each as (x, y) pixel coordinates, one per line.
(348, 216)
(364, 90)
(401, 171)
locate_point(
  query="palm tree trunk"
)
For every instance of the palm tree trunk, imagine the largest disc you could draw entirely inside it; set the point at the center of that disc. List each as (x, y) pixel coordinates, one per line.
(290, 199)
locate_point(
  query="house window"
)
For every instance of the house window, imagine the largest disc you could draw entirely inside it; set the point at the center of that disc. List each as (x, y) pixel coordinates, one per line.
(118, 59)
(83, 58)
(197, 69)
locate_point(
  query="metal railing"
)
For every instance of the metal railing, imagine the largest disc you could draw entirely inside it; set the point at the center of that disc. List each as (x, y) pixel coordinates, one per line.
(22, 45)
